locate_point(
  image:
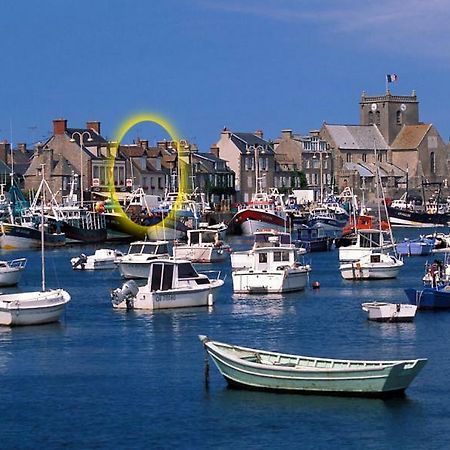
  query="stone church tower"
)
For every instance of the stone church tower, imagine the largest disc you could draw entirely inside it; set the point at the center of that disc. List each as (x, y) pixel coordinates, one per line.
(389, 112)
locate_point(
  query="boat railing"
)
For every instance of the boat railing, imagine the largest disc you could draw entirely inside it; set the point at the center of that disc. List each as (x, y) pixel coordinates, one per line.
(18, 263)
(212, 274)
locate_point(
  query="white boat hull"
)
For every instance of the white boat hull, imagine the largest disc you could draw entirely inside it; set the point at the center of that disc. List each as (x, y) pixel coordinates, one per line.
(390, 312)
(173, 298)
(277, 281)
(355, 271)
(200, 254)
(10, 277)
(32, 308)
(249, 227)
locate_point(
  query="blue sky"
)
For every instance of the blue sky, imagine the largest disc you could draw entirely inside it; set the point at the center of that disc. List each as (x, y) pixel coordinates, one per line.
(206, 64)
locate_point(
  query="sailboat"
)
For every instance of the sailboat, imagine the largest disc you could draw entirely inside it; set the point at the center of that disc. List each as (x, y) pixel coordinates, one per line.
(374, 262)
(35, 307)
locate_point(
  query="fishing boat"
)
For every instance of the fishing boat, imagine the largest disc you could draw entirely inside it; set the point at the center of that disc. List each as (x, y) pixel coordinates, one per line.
(371, 267)
(407, 211)
(435, 293)
(11, 271)
(103, 258)
(313, 239)
(389, 312)
(34, 308)
(204, 245)
(271, 269)
(422, 246)
(367, 242)
(136, 263)
(172, 283)
(250, 368)
(329, 217)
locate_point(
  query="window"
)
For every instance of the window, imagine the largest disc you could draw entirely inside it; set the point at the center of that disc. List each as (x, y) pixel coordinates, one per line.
(349, 157)
(370, 118)
(378, 117)
(380, 157)
(250, 181)
(364, 157)
(277, 256)
(432, 163)
(167, 277)
(263, 257)
(399, 117)
(156, 277)
(186, 271)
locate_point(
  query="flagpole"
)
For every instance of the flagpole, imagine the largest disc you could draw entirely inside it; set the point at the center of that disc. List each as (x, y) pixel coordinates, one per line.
(387, 85)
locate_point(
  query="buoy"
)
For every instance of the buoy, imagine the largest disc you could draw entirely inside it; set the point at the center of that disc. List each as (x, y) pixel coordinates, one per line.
(316, 285)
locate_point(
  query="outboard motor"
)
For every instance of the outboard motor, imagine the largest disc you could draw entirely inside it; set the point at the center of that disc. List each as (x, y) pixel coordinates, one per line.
(126, 293)
(80, 261)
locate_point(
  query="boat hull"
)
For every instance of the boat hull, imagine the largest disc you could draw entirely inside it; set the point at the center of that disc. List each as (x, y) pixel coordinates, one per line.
(22, 237)
(390, 312)
(32, 308)
(401, 217)
(298, 374)
(201, 254)
(409, 248)
(279, 281)
(247, 221)
(353, 271)
(173, 298)
(429, 298)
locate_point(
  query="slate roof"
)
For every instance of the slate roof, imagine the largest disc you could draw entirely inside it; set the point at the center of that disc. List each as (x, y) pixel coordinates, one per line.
(366, 169)
(410, 137)
(357, 137)
(241, 140)
(132, 151)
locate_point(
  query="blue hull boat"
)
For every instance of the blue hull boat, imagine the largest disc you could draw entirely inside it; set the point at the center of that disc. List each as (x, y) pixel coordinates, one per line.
(421, 247)
(429, 297)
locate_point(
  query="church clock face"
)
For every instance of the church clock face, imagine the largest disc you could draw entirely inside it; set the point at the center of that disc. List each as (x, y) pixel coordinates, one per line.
(403, 107)
(373, 106)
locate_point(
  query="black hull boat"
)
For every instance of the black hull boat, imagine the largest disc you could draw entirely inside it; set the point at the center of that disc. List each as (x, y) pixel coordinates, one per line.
(403, 217)
(14, 236)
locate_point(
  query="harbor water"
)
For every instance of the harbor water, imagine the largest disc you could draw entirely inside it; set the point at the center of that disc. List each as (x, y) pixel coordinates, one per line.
(104, 378)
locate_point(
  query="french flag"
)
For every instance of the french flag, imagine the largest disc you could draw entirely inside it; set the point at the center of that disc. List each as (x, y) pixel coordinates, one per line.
(390, 78)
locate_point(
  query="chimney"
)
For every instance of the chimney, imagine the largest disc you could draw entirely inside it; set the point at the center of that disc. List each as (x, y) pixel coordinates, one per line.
(215, 149)
(59, 126)
(22, 147)
(286, 134)
(93, 125)
(315, 133)
(143, 143)
(226, 132)
(259, 133)
(5, 148)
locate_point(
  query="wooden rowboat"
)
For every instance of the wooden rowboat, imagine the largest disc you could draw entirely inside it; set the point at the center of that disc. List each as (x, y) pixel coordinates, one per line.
(263, 370)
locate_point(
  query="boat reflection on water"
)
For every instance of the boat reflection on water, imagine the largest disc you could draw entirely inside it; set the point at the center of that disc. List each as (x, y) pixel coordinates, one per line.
(274, 305)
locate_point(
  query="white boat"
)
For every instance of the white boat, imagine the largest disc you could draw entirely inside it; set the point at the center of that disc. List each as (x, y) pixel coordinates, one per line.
(204, 245)
(33, 308)
(390, 312)
(271, 269)
(103, 258)
(11, 271)
(263, 238)
(250, 368)
(38, 307)
(372, 266)
(367, 242)
(136, 263)
(172, 283)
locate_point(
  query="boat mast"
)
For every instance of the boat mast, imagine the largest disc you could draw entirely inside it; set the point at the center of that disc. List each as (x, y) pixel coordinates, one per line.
(42, 231)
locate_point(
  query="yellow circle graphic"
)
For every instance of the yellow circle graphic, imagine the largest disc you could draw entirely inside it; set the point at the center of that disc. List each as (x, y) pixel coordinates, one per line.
(126, 223)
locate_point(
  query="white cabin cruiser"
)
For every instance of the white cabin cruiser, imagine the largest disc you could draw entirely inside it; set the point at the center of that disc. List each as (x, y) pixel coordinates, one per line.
(103, 258)
(263, 238)
(271, 269)
(11, 271)
(136, 263)
(172, 283)
(204, 245)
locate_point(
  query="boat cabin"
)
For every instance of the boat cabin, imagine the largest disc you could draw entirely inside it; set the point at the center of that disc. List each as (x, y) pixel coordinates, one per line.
(266, 259)
(149, 248)
(271, 238)
(203, 236)
(171, 274)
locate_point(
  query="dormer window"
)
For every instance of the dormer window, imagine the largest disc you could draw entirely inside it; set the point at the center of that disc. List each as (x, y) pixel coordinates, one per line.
(399, 117)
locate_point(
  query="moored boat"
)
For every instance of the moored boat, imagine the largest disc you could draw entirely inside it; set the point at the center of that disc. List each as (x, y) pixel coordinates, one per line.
(260, 369)
(172, 283)
(371, 267)
(389, 312)
(103, 258)
(11, 271)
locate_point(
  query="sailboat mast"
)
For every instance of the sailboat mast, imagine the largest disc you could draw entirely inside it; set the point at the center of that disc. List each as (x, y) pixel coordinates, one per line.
(42, 232)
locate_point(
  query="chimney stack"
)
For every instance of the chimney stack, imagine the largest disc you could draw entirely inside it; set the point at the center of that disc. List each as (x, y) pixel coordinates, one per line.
(215, 150)
(59, 126)
(259, 133)
(93, 125)
(5, 148)
(286, 134)
(143, 143)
